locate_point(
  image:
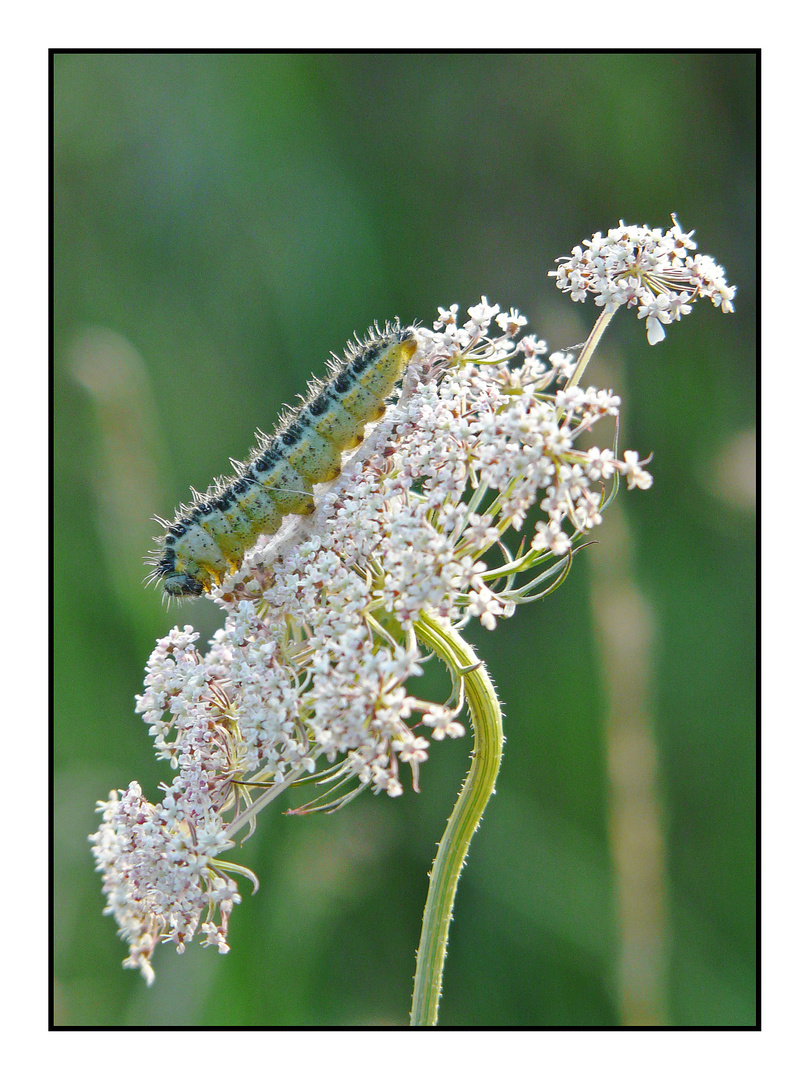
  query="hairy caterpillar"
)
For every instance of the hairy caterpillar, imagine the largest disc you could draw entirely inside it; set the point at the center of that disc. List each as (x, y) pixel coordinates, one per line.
(208, 539)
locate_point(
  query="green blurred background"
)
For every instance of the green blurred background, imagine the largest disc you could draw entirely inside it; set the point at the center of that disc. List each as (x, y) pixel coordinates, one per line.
(221, 223)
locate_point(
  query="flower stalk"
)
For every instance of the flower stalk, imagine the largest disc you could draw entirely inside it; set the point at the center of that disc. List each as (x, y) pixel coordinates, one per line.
(589, 348)
(479, 785)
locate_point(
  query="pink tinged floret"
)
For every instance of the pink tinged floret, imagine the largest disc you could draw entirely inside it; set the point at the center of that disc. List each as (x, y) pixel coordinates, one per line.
(304, 674)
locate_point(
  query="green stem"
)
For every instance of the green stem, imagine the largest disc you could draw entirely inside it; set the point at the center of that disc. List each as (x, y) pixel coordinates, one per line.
(485, 713)
(589, 347)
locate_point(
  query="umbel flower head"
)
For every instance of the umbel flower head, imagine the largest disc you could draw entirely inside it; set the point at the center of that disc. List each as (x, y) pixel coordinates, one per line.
(635, 266)
(314, 676)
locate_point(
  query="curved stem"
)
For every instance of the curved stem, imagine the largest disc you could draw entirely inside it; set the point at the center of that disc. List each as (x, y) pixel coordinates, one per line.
(485, 713)
(249, 813)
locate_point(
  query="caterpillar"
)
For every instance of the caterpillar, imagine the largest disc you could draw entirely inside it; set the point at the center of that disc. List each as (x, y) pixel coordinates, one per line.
(208, 539)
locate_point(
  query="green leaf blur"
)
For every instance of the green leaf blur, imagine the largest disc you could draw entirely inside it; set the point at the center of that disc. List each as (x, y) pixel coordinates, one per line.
(222, 222)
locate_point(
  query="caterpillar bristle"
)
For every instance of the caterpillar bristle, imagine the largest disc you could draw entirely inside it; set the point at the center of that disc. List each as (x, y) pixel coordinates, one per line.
(208, 538)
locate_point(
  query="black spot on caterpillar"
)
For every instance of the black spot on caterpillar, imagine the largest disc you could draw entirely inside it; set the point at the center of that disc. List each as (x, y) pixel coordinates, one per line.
(208, 539)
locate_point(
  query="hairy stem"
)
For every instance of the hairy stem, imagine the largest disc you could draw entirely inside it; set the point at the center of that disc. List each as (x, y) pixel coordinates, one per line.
(589, 347)
(485, 713)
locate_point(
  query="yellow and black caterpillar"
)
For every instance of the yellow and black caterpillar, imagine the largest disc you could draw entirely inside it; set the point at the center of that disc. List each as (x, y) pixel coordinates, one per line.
(208, 539)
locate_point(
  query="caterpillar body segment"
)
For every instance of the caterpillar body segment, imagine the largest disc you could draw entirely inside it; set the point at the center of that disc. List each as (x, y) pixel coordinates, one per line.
(208, 539)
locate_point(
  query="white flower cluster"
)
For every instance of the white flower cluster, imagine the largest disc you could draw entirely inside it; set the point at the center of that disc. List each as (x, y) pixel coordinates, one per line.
(635, 266)
(322, 628)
